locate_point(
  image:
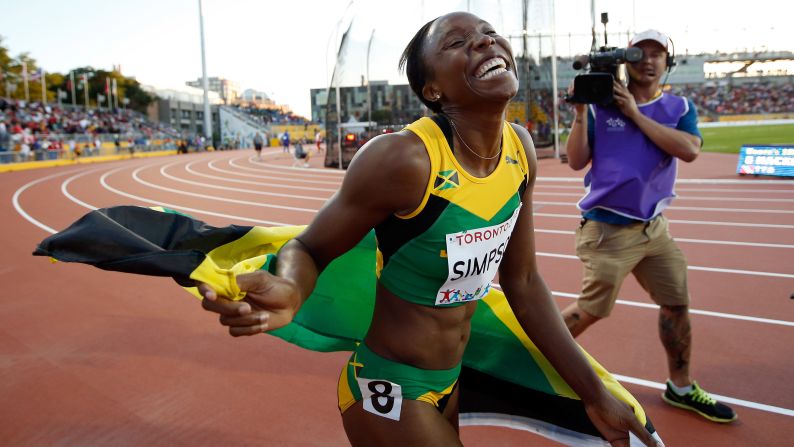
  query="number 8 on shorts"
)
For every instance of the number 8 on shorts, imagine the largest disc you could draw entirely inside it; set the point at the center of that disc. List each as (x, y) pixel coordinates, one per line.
(381, 397)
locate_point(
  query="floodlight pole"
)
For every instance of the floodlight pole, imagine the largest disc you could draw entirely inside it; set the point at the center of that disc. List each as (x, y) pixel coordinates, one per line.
(205, 83)
(555, 97)
(369, 90)
(339, 124)
(525, 48)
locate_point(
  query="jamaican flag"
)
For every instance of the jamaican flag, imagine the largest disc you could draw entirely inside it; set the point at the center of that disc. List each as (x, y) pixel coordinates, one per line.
(505, 379)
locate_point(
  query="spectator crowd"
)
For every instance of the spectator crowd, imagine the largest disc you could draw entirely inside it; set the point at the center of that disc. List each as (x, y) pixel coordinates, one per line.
(711, 99)
(750, 98)
(32, 130)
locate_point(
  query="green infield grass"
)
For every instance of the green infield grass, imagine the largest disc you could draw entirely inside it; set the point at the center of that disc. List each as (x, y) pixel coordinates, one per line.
(731, 139)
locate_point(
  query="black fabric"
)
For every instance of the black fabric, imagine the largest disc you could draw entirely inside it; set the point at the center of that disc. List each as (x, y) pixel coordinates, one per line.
(394, 232)
(483, 393)
(444, 401)
(114, 239)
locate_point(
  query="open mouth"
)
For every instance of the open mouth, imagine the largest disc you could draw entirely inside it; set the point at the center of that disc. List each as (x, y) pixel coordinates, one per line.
(491, 68)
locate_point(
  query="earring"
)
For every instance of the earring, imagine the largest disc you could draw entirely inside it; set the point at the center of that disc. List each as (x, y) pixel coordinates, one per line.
(436, 97)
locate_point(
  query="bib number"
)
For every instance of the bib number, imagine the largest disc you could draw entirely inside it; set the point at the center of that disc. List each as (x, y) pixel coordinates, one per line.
(381, 397)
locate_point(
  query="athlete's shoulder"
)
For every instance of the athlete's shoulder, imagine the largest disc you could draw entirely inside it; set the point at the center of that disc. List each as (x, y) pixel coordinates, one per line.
(396, 158)
(529, 148)
(397, 148)
(525, 138)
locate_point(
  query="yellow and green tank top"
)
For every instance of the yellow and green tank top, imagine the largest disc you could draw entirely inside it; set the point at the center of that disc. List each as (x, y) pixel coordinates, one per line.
(448, 250)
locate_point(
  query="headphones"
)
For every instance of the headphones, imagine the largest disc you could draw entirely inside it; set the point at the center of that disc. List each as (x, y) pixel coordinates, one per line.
(670, 61)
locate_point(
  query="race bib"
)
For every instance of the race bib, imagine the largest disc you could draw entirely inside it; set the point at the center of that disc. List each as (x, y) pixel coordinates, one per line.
(381, 397)
(473, 257)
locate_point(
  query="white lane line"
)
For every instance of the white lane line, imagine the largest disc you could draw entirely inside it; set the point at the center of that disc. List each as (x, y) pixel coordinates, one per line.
(22, 212)
(156, 202)
(259, 221)
(692, 222)
(740, 272)
(691, 208)
(677, 198)
(742, 190)
(708, 313)
(295, 178)
(189, 168)
(733, 199)
(734, 210)
(555, 255)
(692, 181)
(719, 397)
(65, 190)
(232, 161)
(690, 267)
(221, 199)
(685, 189)
(707, 181)
(566, 232)
(627, 379)
(729, 224)
(744, 244)
(165, 174)
(18, 193)
(103, 182)
(690, 241)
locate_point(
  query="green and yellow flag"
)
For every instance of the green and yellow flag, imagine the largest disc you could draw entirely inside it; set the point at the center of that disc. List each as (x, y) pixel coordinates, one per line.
(505, 379)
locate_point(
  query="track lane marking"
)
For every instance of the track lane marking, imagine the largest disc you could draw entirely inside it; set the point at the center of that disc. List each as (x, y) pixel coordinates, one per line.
(719, 397)
(165, 174)
(691, 222)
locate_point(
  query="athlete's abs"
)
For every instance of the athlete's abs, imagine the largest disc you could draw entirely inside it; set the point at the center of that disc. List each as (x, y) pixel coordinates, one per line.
(417, 335)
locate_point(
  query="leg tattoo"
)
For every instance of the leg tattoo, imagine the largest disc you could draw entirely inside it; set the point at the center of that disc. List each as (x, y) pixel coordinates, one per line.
(676, 335)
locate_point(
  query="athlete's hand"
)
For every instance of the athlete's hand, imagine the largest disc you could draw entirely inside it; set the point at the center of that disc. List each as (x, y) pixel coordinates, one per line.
(624, 100)
(615, 419)
(270, 303)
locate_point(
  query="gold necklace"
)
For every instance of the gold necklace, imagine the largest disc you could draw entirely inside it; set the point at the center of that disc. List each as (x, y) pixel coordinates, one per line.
(469, 148)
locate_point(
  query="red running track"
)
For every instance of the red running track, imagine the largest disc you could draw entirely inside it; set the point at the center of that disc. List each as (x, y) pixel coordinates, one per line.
(99, 358)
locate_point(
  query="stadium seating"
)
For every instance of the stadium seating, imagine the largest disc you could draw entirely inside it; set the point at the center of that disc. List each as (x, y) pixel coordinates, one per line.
(33, 131)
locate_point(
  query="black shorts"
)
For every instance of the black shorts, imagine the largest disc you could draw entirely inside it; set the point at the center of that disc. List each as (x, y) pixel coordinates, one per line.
(258, 147)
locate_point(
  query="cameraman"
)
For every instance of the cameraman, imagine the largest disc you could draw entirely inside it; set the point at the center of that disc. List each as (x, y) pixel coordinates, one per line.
(632, 147)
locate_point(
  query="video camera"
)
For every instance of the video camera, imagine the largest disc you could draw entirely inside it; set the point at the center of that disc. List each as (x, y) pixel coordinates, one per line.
(595, 86)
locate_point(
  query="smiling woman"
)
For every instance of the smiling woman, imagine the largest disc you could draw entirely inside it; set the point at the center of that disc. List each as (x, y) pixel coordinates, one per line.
(422, 194)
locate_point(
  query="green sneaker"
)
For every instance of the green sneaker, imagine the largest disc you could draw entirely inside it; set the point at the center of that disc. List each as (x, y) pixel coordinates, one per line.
(701, 403)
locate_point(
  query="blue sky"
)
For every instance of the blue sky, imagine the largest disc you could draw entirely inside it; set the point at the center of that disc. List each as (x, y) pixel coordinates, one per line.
(286, 47)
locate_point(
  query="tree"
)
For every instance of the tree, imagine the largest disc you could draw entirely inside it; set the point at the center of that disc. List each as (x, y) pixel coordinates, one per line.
(139, 99)
(5, 59)
(382, 116)
(11, 71)
(55, 81)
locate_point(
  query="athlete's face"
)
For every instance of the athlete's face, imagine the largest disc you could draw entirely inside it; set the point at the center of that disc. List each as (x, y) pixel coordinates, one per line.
(653, 63)
(468, 61)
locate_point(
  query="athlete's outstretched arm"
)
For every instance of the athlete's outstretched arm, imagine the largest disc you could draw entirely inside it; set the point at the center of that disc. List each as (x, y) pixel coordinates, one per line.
(540, 318)
(388, 175)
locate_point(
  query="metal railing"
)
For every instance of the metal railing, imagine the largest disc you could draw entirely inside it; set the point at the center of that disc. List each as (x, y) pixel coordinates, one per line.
(83, 146)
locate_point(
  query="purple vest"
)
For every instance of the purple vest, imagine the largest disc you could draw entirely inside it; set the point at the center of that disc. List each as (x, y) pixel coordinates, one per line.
(629, 174)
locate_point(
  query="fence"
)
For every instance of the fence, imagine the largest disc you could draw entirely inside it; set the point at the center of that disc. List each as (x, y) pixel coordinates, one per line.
(83, 146)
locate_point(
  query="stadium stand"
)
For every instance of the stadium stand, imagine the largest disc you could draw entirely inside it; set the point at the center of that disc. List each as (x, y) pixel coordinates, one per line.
(33, 131)
(749, 98)
(273, 122)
